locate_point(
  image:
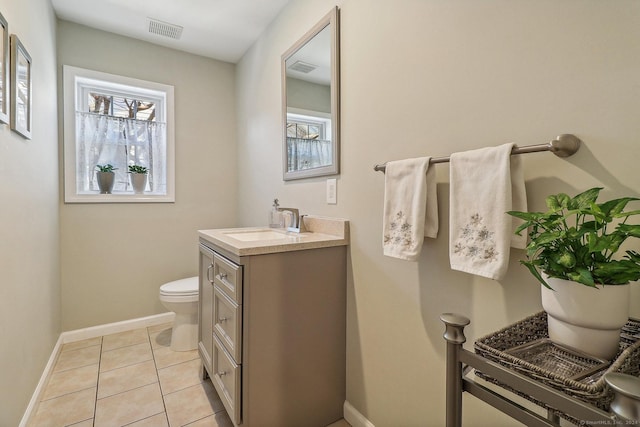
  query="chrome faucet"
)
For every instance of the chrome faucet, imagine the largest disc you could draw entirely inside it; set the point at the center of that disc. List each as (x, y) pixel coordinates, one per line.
(297, 220)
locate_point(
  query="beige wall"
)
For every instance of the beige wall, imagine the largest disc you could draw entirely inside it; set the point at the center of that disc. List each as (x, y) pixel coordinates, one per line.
(430, 78)
(308, 96)
(29, 242)
(116, 256)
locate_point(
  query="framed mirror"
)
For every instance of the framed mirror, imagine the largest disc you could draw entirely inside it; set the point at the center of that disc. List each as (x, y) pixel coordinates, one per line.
(311, 101)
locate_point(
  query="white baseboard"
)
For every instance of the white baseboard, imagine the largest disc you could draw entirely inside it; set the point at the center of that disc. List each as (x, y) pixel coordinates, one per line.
(114, 328)
(35, 398)
(83, 334)
(355, 418)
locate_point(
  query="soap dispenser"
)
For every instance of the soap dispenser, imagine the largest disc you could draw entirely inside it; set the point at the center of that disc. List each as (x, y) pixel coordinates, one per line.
(275, 216)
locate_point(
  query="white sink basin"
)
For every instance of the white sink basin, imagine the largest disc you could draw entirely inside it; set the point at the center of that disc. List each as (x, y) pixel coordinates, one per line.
(257, 235)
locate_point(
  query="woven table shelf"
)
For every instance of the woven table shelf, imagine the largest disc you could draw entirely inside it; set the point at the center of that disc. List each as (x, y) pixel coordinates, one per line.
(579, 376)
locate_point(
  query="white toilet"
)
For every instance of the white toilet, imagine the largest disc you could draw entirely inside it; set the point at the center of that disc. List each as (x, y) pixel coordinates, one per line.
(181, 297)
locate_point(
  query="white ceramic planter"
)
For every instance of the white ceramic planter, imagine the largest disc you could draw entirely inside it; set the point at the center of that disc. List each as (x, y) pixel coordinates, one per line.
(138, 182)
(585, 318)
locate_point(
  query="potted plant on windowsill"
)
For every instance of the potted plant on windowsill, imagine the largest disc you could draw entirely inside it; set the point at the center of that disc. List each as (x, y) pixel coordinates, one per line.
(575, 254)
(138, 178)
(106, 178)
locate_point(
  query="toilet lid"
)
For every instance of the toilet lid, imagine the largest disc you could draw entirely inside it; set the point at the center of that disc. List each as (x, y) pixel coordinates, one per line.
(187, 286)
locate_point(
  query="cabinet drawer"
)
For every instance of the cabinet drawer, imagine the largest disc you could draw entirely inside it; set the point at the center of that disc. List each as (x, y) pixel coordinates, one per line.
(226, 380)
(228, 276)
(227, 323)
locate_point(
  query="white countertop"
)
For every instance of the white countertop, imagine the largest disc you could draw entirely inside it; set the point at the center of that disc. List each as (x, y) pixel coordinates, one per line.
(324, 232)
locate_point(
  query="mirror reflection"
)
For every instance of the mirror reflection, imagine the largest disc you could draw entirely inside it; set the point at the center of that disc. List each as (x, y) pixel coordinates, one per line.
(310, 103)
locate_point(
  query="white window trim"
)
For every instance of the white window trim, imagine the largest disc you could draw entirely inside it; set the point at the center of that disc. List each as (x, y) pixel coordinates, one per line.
(73, 75)
(312, 116)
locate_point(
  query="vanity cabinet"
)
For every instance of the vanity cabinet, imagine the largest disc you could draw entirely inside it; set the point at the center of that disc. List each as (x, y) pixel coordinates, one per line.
(273, 332)
(205, 307)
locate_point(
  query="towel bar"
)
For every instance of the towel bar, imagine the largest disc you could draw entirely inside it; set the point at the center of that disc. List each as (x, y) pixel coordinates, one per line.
(564, 145)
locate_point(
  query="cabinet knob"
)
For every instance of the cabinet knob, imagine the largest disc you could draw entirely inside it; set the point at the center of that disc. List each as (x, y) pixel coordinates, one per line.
(222, 373)
(222, 319)
(223, 276)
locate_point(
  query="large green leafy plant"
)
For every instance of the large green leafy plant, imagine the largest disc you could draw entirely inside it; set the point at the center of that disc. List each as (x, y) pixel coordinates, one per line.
(577, 239)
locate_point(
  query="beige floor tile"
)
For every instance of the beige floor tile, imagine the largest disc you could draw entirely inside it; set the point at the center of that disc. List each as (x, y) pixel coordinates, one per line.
(71, 380)
(130, 406)
(158, 328)
(182, 375)
(81, 344)
(192, 404)
(129, 387)
(161, 337)
(166, 357)
(127, 378)
(158, 420)
(220, 419)
(123, 339)
(125, 356)
(86, 423)
(65, 410)
(77, 358)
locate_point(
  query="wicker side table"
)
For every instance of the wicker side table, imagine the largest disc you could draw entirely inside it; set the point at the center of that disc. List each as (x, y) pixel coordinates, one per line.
(460, 362)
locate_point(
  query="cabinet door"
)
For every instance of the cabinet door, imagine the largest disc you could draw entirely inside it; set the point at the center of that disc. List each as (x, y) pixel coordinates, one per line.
(205, 309)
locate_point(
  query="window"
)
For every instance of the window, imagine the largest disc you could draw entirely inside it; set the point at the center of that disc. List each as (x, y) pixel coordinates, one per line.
(122, 122)
(304, 128)
(308, 139)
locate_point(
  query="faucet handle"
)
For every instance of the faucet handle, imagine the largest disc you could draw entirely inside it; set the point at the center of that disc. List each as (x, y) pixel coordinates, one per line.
(301, 227)
(301, 224)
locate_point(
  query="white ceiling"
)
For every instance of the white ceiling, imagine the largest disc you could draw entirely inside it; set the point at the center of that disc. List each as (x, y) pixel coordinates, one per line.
(317, 53)
(220, 29)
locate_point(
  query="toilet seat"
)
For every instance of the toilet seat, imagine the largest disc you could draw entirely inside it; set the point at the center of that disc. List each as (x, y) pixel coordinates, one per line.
(180, 290)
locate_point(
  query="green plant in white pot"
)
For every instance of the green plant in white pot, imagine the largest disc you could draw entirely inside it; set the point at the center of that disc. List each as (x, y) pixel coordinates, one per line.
(138, 178)
(575, 253)
(106, 178)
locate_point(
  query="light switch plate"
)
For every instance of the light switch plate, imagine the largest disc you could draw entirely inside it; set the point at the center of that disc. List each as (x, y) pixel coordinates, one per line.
(332, 191)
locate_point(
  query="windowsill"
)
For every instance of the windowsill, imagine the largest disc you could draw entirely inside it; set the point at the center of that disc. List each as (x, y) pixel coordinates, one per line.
(119, 198)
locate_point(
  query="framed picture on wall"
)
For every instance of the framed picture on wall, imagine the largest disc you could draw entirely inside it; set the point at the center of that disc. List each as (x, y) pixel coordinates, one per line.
(20, 88)
(4, 70)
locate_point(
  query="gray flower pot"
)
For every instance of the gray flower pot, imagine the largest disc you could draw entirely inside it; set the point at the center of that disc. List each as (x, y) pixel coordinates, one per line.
(106, 180)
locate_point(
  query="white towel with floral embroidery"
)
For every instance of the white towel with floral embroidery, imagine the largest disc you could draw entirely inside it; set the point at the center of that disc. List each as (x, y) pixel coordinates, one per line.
(410, 207)
(481, 192)
(518, 201)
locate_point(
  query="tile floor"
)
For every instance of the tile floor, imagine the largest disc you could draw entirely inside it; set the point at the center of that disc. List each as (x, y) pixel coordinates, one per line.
(130, 379)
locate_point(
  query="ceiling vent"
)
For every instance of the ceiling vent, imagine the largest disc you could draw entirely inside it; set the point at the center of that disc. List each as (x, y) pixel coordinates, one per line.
(302, 67)
(164, 29)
